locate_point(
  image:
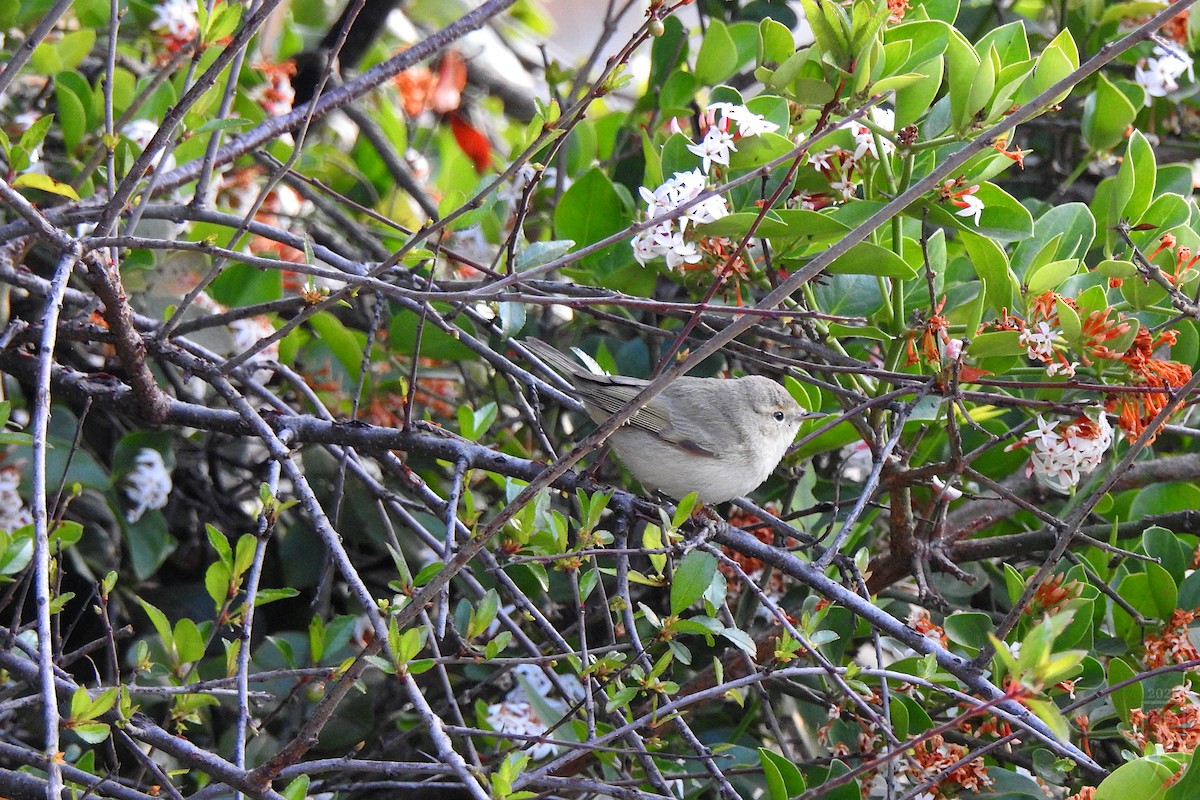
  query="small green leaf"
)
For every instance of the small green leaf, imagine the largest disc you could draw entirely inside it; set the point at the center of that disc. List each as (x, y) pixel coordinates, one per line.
(692, 577)
(92, 732)
(36, 180)
(265, 596)
(297, 789)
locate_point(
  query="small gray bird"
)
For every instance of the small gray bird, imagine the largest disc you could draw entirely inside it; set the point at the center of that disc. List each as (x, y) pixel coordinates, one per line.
(718, 437)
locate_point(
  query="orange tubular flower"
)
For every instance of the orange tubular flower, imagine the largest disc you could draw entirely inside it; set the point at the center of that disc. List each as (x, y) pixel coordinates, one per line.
(897, 9)
(1097, 331)
(1135, 411)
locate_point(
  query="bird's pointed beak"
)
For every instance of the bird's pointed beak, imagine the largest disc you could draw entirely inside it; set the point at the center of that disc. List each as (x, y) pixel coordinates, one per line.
(807, 415)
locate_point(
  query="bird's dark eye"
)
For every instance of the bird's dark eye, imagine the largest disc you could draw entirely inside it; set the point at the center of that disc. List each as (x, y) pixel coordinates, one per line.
(778, 416)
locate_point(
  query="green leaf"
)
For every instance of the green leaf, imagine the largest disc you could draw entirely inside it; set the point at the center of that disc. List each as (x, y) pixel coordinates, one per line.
(782, 225)
(850, 295)
(1140, 155)
(231, 123)
(1068, 319)
(1047, 712)
(691, 578)
(220, 543)
(865, 258)
(1163, 590)
(963, 63)
(37, 180)
(216, 582)
(830, 29)
(1057, 61)
(265, 596)
(148, 543)
(243, 554)
(483, 614)
(1165, 498)
(1145, 779)
(101, 704)
(474, 423)
(1188, 786)
(1126, 698)
(981, 88)
(991, 265)
(189, 644)
(1166, 546)
(80, 702)
(74, 47)
(755, 151)
(346, 345)
(1107, 114)
(997, 343)
(1003, 217)
(968, 628)
(923, 41)
(72, 107)
(591, 210)
(410, 644)
(92, 732)
(742, 640)
(244, 285)
(718, 56)
(159, 620)
(425, 575)
(538, 254)
(1050, 276)
(1010, 41)
(435, 342)
(776, 43)
(297, 789)
(223, 23)
(783, 778)
(1071, 226)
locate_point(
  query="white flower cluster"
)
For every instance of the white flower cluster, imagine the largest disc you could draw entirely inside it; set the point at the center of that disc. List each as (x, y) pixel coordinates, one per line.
(664, 239)
(21, 123)
(1159, 75)
(141, 131)
(1039, 344)
(148, 485)
(1061, 458)
(246, 334)
(718, 141)
(176, 19)
(1039, 341)
(13, 513)
(864, 139)
(516, 715)
(857, 461)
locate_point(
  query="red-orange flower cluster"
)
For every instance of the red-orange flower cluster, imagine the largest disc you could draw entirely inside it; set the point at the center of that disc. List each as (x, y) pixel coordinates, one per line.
(933, 336)
(1136, 410)
(1184, 260)
(935, 754)
(1175, 726)
(1173, 645)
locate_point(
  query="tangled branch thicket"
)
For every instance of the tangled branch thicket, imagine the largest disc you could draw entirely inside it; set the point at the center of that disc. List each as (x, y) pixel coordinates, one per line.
(287, 507)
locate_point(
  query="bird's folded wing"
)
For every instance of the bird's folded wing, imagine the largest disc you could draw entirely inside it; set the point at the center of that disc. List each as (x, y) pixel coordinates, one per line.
(609, 396)
(696, 430)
